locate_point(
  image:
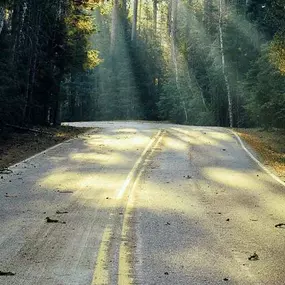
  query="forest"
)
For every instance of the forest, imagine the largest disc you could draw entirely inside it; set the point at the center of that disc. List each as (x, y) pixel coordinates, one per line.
(194, 62)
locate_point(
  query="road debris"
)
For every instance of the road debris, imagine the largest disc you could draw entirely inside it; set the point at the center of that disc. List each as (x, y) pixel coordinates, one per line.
(187, 176)
(281, 225)
(254, 257)
(65, 192)
(10, 196)
(5, 171)
(61, 212)
(7, 273)
(49, 220)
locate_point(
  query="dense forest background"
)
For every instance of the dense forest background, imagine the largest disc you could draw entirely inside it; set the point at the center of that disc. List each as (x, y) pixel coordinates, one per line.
(197, 62)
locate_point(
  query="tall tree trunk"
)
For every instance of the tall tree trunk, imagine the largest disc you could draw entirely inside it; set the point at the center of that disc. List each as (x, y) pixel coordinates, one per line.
(114, 28)
(155, 16)
(32, 67)
(208, 15)
(22, 11)
(135, 18)
(173, 28)
(173, 37)
(2, 18)
(230, 107)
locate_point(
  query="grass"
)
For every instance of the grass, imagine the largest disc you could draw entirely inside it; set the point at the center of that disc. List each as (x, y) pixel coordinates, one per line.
(270, 145)
(17, 146)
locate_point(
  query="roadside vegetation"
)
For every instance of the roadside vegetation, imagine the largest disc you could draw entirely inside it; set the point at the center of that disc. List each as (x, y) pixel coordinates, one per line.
(270, 145)
(19, 145)
(197, 62)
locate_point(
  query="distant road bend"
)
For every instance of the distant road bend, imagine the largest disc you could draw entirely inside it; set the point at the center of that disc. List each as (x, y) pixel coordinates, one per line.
(142, 203)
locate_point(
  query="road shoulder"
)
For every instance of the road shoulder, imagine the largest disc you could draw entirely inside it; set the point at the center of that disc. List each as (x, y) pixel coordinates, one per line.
(17, 146)
(269, 146)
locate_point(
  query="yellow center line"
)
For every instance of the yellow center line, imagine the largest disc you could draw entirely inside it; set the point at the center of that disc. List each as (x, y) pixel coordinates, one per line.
(125, 252)
(132, 173)
(101, 273)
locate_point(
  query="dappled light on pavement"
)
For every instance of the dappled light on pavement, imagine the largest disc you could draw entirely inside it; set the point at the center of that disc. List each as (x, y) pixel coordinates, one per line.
(143, 203)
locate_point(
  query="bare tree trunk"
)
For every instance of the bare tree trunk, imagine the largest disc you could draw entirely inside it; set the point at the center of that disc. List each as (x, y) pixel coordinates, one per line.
(135, 18)
(2, 18)
(173, 37)
(169, 14)
(19, 32)
(230, 107)
(173, 27)
(140, 15)
(198, 86)
(155, 16)
(114, 27)
(32, 69)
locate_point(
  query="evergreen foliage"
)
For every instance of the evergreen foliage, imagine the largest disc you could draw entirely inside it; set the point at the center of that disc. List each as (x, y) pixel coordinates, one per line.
(209, 62)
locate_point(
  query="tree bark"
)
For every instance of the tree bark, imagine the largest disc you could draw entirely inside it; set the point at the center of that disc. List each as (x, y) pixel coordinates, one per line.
(229, 97)
(173, 28)
(32, 68)
(135, 18)
(155, 16)
(18, 31)
(2, 18)
(114, 27)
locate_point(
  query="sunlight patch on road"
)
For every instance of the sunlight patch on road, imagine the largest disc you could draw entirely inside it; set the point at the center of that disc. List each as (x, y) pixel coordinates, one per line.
(90, 186)
(126, 130)
(118, 142)
(224, 137)
(99, 158)
(231, 177)
(140, 163)
(174, 144)
(168, 198)
(194, 139)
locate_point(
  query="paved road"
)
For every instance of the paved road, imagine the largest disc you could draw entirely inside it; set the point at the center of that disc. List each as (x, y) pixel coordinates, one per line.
(142, 203)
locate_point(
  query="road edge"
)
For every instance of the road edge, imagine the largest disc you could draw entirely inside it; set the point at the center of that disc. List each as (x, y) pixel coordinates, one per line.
(260, 164)
(49, 149)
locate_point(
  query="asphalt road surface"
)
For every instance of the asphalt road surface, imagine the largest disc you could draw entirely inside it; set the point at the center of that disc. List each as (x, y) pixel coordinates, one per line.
(142, 203)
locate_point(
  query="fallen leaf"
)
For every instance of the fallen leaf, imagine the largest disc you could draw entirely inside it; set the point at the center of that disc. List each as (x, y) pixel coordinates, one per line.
(65, 192)
(281, 225)
(49, 220)
(61, 212)
(254, 257)
(7, 273)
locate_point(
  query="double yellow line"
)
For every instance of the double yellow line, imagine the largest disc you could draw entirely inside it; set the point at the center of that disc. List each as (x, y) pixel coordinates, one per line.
(101, 273)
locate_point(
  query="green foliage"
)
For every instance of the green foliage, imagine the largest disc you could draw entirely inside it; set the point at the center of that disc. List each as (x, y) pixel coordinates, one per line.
(41, 43)
(266, 85)
(80, 54)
